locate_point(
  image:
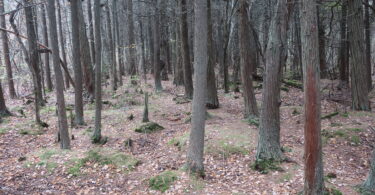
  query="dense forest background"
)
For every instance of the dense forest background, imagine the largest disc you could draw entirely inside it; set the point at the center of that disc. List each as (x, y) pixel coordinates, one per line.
(187, 97)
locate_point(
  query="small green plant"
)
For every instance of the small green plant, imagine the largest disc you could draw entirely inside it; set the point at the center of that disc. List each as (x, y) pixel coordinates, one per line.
(3, 130)
(253, 121)
(355, 139)
(47, 110)
(355, 129)
(180, 141)
(47, 154)
(333, 124)
(345, 114)
(286, 149)
(295, 112)
(332, 191)
(163, 181)
(264, 166)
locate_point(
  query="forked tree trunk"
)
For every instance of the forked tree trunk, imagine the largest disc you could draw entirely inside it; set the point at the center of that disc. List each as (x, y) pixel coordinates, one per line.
(59, 80)
(196, 141)
(314, 183)
(360, 99)
(269, 132)
(247, 60)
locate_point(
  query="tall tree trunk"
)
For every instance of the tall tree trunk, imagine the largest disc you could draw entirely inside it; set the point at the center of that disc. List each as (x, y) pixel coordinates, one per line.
(6, 52)
(112, 55)
(212, 99)
(59, 80)
(116, 39)
(132, 50)
(98, 78)
(188, 82)
(76, 53)
(33, 58)
(143, 64)
(368, 46)
(179, 71)
(156, 33)
(86, 65)
(360, 99)
(62, 43)
(310, 60)
(368, 187)
(248, 60)
(322, 46)
(196, 142)
(91, 31)
(47, 67)
(343, 58)
(269, 132)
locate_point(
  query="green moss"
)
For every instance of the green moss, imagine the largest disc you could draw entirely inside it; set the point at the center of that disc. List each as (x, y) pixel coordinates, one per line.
(118, 159)
(3, 130)
(253, 121)
(346, 115)
(264, 166)
(295, 112)
(333, 124)
(225, 149)
(332, 191)
(149, 128)
(293, 83)
(355, 139)
(180, 141)
(163, 181)
(330, 115)
(30, 132)
(47, 110)
(355, 129)
(286, 149)
(47, 154)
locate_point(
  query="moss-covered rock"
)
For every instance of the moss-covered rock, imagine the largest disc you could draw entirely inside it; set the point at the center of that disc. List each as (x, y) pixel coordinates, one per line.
(264, 166)
(149, 128)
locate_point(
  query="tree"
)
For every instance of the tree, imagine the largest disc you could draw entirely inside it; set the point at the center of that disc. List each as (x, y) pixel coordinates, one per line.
(156, 41)
(5, 41)
(314, 183)
(248, 60)
(196, 140)
(3, 108)
(269, 131)
(367, 46)
(212, 99)
(97, 136)
(76, 53)
(368, 187)
(343, 56)
(62, 43)
(360, 99)
(188, 82)
(59, 80)
(47, 68)
(132, 51)
(112, 55)
(85, 54)
(32, 57)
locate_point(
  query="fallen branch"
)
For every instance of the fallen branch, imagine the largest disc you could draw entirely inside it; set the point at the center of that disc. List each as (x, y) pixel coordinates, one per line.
(45, 48)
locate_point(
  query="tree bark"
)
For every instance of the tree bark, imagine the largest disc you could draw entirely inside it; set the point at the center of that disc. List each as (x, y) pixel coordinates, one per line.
(47, 70)
(360, 99)
(156, 35)
(212, 101)
(247, 60)
(196, 141)
(3, 108)
(369, 185)
(112, 55)
(368, 46)
(269, 132)
(343, 58)
(188, 82)
(98, 78)
(314, 183)
(76, 53)
(91, 31)
(6, 52)
(59, 80)
(86, 63)
(62, 44)
(132, 43)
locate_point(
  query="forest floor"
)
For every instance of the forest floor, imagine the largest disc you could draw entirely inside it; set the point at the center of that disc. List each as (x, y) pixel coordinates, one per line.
(32, 163)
